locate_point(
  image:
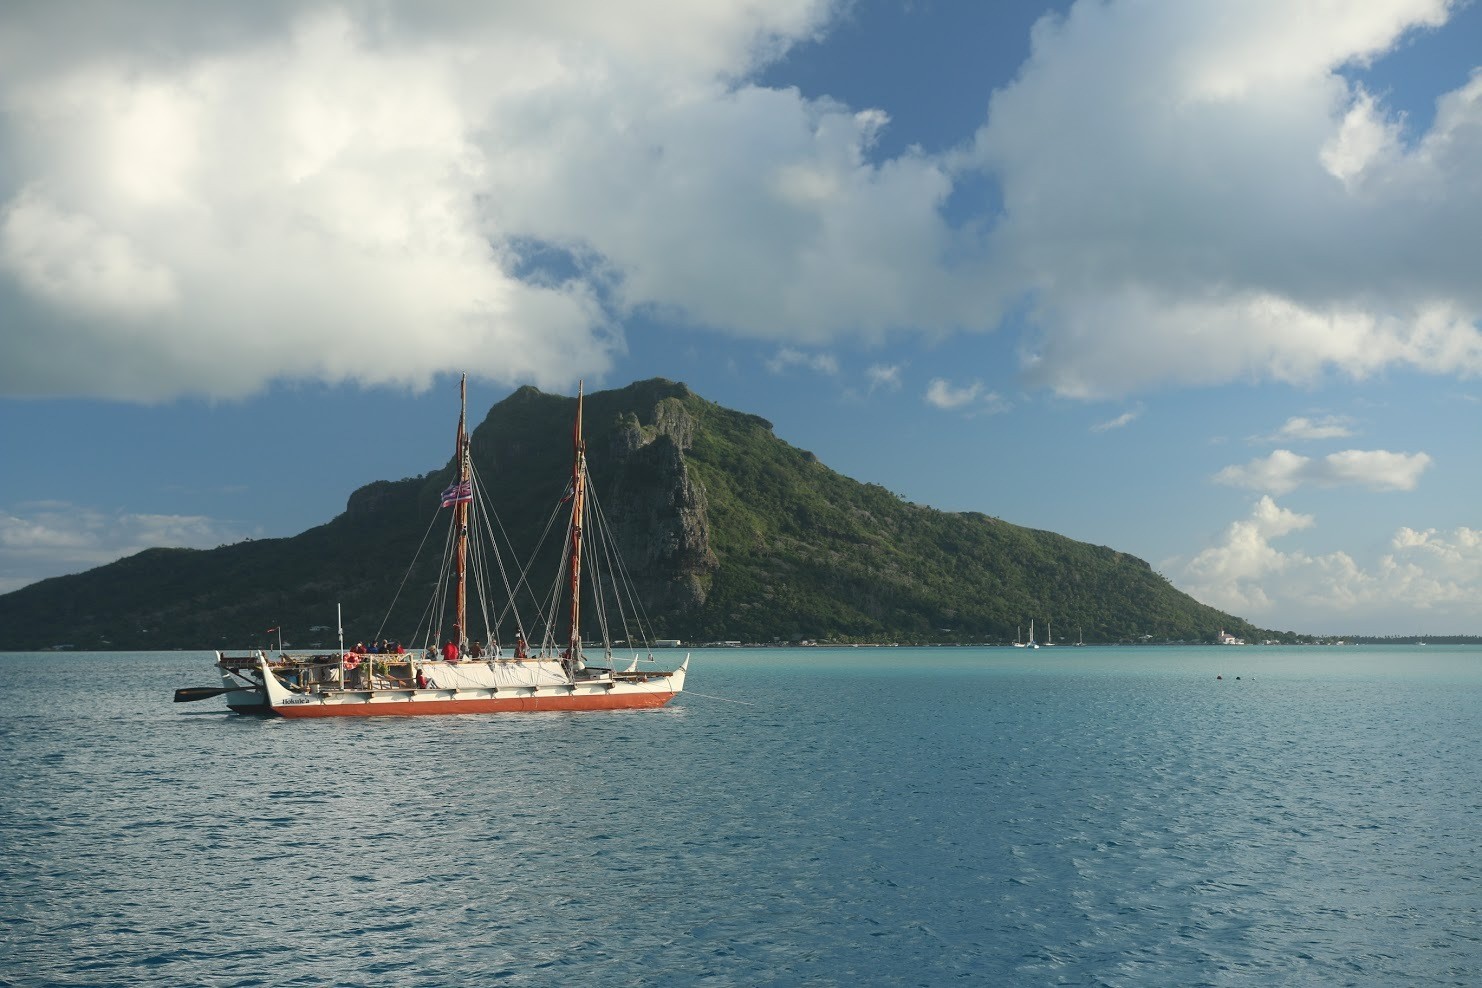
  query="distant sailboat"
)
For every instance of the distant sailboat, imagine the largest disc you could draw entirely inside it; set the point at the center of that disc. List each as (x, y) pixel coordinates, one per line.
(1031, 643)
(1018, 633)
(1049, 634)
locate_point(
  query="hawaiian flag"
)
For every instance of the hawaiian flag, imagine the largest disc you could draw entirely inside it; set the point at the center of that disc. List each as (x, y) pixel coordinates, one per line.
(457, 493)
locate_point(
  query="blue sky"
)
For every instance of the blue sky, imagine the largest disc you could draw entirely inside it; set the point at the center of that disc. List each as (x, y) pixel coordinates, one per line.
(1197, 281)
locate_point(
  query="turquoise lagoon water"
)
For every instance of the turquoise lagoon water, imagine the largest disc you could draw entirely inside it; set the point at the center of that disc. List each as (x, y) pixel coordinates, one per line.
(1077, 816)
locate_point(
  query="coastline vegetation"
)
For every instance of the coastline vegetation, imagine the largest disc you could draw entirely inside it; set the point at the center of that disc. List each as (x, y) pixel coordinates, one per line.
(730, 533)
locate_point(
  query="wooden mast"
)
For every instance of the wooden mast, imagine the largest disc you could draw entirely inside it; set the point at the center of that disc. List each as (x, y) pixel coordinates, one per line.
(578, 501)
(460, 522)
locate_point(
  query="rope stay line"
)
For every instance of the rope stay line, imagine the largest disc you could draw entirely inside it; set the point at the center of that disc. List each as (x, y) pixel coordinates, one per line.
(627, 592)
(426, 533)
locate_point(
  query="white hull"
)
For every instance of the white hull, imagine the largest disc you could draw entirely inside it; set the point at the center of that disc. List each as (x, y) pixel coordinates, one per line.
(468, 687)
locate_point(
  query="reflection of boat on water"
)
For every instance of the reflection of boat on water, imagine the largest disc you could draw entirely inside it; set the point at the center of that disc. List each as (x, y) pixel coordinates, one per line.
(461, 675)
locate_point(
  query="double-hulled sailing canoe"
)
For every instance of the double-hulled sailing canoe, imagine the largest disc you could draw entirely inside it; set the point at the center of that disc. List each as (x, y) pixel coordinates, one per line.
(462, 676)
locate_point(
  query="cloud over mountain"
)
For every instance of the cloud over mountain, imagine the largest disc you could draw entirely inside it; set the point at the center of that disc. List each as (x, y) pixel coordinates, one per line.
(203, 201)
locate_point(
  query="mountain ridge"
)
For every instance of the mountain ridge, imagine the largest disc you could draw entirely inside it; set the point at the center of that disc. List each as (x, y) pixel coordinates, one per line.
(730, 533)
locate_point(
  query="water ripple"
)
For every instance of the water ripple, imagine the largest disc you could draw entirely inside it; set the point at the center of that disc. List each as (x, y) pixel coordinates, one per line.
(1109, 817)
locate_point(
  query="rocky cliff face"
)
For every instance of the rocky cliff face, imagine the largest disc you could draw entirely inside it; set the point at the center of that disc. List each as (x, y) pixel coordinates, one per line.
(658, 511)
(777, 547)
(370, 499)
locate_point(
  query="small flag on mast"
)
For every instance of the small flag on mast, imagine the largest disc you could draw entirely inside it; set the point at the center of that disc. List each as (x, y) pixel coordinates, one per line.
(457, 493)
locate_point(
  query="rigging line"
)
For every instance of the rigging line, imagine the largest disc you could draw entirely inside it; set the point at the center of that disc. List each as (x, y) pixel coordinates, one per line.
(622, 593)
(487, 506)
(627, 585)
(429, 610)
(481, 542)
(527, 585)
(406, 576)
(417, 632)
(602, 555)
(553, 597)
(593, 570)
(524, 581)
(561, 582)
(628, 597)
(594, 580)
(640, 613)
(479, 571)
(490, 613)
(498, 521)
(440, 594)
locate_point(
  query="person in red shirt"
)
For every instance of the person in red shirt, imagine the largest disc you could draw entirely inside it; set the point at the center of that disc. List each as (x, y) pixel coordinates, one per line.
(450, 652)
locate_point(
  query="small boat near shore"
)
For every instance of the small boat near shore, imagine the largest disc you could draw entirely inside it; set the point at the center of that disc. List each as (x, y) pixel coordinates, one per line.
(556, 671)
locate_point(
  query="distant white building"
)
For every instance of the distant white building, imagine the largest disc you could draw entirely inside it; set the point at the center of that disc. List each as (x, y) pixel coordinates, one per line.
(1228, 639)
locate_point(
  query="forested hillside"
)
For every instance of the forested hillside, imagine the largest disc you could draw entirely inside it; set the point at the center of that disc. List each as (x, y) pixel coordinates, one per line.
(730, 533)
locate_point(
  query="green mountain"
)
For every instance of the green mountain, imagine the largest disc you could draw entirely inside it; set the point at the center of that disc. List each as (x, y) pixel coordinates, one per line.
(729, 534)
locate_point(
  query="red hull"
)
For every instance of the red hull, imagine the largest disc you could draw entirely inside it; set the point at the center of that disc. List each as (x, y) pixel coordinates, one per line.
(489, 705)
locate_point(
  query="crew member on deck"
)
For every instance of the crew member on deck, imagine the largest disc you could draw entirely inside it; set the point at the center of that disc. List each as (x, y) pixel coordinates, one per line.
(520, 650)
(450, 651)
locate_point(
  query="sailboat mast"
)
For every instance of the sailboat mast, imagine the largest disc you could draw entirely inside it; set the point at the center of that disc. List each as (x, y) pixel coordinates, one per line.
(578, 501)
(460, 522)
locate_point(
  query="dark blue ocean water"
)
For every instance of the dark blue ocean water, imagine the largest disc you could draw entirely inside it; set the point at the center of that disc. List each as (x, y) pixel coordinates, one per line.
(1069, 816)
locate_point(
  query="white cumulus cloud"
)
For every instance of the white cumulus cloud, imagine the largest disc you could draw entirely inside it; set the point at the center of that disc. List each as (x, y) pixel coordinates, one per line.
(943, 394)
(1284, 471)
(1300, 427)
(1121, 421)
(887, 376)
(1232, 575)
(788, 357)
(1428, 573)
(1198, 196)
(205, 200)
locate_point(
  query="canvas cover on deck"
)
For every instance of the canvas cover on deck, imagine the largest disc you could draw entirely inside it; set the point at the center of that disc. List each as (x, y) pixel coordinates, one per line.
(484, 675)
